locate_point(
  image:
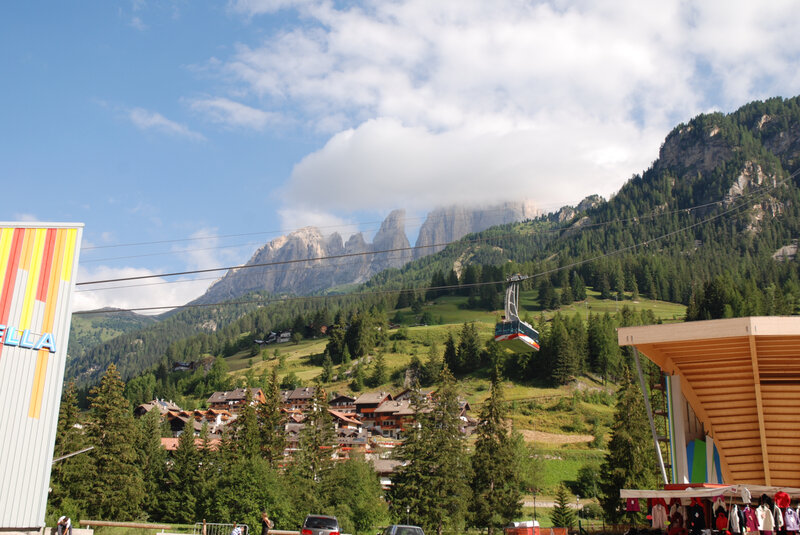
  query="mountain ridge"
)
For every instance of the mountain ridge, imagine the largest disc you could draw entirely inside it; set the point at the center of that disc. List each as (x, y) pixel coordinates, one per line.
(723, 210)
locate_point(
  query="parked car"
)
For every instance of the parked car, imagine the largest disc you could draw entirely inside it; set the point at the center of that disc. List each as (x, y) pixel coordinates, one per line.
(320, 525)
(397, 529)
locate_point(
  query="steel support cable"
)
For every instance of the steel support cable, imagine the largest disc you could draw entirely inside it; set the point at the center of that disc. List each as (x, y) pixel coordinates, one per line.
(420, 289)
(444, 244)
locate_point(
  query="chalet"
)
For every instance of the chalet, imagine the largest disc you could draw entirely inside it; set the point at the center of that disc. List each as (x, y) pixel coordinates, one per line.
(159, 404)
(366, 405)
(343, 420)
(393, 417)
(423, 394)
(350, 440)
(299, 398)
(343, 404)
(284, 337)
(386, 469)
(214, 419)
(234, 399)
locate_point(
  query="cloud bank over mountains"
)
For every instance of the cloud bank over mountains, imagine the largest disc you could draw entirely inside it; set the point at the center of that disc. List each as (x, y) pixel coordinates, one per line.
(428, 103)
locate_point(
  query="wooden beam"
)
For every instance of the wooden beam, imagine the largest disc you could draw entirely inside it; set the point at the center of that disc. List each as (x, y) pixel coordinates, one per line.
(759, 408)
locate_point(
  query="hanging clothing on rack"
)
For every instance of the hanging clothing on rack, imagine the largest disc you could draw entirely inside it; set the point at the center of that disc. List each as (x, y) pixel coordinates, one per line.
(791, 519)
(777, 515)
(766, 522)
(697, 517)
(782, 499)
(751, 522)
(659, 514)
(736, 522)
(676, 507)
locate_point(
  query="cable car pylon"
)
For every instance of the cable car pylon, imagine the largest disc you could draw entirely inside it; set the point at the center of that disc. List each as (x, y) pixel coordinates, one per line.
(512, 332)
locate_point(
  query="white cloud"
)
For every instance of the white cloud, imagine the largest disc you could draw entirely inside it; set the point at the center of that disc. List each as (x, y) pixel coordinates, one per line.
(463, 101)
(234, 114)
(30, 218)
(150, 120)
(137, 24)
(154, 292)
(260, 7)
(383, 164)
(206, 250)
(300, 216)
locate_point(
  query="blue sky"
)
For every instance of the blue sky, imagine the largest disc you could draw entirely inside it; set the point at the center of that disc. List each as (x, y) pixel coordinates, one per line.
(173, 120)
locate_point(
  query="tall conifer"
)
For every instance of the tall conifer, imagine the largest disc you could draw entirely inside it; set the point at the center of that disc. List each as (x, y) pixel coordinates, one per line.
(495, 484)
(117, 483)
(630, 462)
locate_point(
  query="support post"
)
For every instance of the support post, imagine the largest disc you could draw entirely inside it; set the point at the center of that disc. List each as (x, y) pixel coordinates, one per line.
(650, 415)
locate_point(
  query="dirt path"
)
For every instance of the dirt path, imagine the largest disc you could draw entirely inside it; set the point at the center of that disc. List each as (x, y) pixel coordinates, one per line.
(552, 438)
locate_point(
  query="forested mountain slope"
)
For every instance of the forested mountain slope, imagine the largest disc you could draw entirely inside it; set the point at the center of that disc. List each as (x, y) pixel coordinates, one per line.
(719, 201)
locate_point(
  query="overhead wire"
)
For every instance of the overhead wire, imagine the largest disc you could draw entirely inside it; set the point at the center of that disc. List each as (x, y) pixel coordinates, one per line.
(652, 214)
(756, 193)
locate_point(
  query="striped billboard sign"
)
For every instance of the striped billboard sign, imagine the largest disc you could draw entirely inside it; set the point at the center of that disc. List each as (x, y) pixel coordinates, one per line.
(38, 264)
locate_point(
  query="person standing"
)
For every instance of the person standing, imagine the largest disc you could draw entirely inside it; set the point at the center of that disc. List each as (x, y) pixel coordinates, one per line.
(266, 523)
(236, 529)
(64, 526)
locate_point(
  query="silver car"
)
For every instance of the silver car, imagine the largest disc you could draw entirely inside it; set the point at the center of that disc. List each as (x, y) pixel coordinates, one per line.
(320, 525)
(397, 529)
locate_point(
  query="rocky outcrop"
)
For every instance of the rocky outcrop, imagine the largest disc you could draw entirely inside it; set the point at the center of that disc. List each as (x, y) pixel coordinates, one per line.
(445, 225)
(284, 265)
(391, 237)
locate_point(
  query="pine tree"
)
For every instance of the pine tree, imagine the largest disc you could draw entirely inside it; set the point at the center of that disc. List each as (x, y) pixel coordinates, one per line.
(379, 374)
(327, 368)
(317, 441)
(433, 367)
(630, 462)
(562, 516)
(271, 422)
(117, 488)
(245, 429)
(450, 353)
(69, 477)
(469, 349)
(495, 483)
(153, 458)
(434, 482)
(180, 498)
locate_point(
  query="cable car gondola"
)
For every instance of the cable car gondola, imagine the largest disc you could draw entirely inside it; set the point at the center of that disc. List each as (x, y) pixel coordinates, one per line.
(512, 332)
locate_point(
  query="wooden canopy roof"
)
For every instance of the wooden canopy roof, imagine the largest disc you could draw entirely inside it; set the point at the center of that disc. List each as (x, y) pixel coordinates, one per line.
(741, 377)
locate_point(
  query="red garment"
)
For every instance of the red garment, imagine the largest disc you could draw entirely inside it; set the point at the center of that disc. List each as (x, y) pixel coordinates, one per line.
(632, 505)
(722, 521)
(782, 499)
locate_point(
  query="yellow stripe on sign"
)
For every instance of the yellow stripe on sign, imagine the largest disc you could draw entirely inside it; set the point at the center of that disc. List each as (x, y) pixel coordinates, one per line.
(6, 235)
(35, 263)
(37, 392)
(25, 258)
(66, 270)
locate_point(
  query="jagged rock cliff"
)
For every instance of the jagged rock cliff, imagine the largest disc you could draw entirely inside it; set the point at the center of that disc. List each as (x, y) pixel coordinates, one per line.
(290, 273)
(444, 225)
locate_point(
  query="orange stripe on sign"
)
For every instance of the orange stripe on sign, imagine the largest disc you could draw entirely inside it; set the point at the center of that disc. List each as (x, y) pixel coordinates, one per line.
(34, 264)
(43, 357)
(27, 248)
(47, 264)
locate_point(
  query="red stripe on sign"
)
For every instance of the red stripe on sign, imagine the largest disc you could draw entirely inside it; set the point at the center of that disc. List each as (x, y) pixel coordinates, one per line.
(11, 274)
(47, 264)
(11, 277)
